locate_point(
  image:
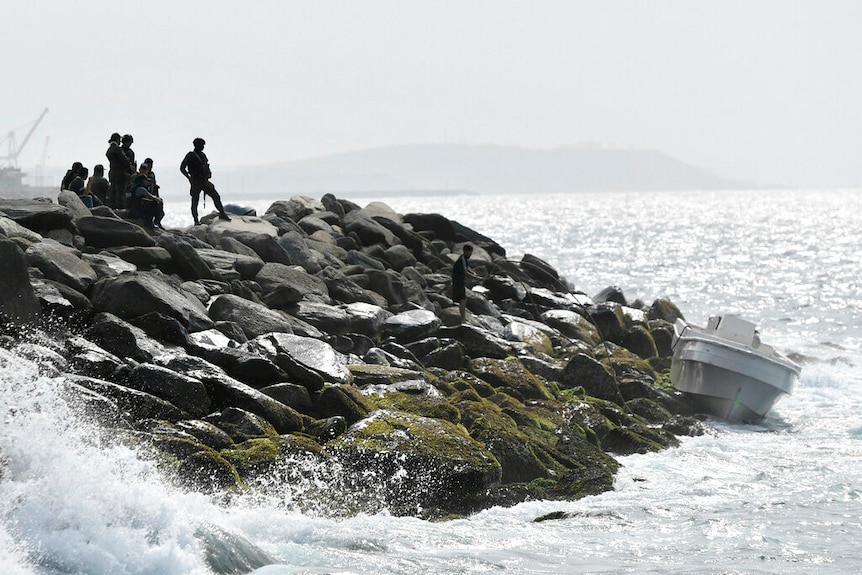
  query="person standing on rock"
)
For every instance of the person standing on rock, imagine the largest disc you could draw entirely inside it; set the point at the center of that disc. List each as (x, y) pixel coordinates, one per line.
(118, 171)
(196, 168)
(460, 270)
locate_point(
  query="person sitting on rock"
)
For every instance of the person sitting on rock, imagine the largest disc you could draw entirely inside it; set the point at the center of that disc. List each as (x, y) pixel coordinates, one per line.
(78, 183)
(142, 204)
(70, 175)
(196, 168)
(98, 186)
(153, 189)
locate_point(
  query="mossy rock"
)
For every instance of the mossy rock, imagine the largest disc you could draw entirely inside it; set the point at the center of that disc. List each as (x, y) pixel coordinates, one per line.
(241, 425)
(619, 360)
(415, 462)
(252, 457)
(595, 377)
(664, 309)
(344, 400)
(436, 407)
(372, 374)
(649, 410)
(510, 376)
(624, 441)
(639, 341)
(209, 472)
(327, 429)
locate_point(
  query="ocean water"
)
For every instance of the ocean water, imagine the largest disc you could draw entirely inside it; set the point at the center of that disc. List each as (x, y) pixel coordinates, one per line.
(784, 496)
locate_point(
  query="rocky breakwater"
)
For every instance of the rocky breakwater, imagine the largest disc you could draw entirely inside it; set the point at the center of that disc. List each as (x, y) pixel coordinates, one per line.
(317, 347)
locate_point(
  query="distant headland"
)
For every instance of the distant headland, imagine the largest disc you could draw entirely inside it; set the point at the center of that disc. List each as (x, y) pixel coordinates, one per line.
(483, 169)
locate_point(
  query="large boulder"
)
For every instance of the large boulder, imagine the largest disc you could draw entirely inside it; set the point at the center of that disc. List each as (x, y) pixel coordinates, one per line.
(595, 378)
(368, 231)
(187, 263)
(295, 208)
(310, 353)
(225, 262)
(226, 392)
(123, 339)
(366, 318)
(134, 294)
(264, 245)
(104, 232)
(330, 319)
(572, 325)
(275, 276)
(220, 229)
(254, 319)
(106, 264)
(18, 301)
(416, 462)
(72, 202)
(36, 215)
(187, 393)
(62, 264)
(412, 325)
(12, 229)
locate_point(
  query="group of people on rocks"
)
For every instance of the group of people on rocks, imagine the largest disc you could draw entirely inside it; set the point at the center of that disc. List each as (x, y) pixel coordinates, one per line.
(133, 187)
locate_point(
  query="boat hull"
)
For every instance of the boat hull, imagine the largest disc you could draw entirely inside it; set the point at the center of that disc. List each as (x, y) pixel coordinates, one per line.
(729, 380)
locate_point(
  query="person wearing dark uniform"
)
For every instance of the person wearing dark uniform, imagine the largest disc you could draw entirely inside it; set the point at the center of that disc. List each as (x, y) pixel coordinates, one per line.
(196, 168)
(118, 171)
(460, 270)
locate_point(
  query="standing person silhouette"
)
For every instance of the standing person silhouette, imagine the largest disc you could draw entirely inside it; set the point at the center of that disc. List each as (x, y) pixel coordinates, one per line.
(196, 168)
(460, 270)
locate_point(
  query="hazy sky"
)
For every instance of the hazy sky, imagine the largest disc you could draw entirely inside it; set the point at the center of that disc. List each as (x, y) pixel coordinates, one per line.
(765, 90)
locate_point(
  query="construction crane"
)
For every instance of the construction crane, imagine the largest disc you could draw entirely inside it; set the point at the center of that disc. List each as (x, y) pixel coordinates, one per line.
(11, 159)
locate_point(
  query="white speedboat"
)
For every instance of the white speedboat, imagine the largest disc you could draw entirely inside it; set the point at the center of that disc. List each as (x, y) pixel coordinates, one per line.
(727, 371)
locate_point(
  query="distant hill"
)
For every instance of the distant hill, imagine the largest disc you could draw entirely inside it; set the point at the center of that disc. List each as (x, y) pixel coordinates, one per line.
(431, 168)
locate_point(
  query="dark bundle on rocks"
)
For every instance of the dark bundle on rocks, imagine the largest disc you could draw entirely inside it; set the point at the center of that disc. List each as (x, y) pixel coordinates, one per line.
(326, 331)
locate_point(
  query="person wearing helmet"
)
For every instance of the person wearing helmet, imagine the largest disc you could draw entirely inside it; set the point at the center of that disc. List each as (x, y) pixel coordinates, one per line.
(196, 168)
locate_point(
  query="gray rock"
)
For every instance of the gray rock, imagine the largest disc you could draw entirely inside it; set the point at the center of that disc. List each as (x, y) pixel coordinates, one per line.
(62, 264)
(399, 257)
(106, 232)
(254, 319)
(225, 392)
(290, 394)
(274, 275)
(225, 262)
(11, 229)
(389, 285)
(412, 325)
(264, 245)
(367, 318)
(187, 263)
(18, 301)
(187, 393)
(144, 257)
(36, 215)
(330, 319)
(72, 202)
(477, 342)
(134, 294)
(123, 339)
(368, 231)
(137, 404)
(295, 208)
(314, 354)
(106, 264)
(572, 325)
